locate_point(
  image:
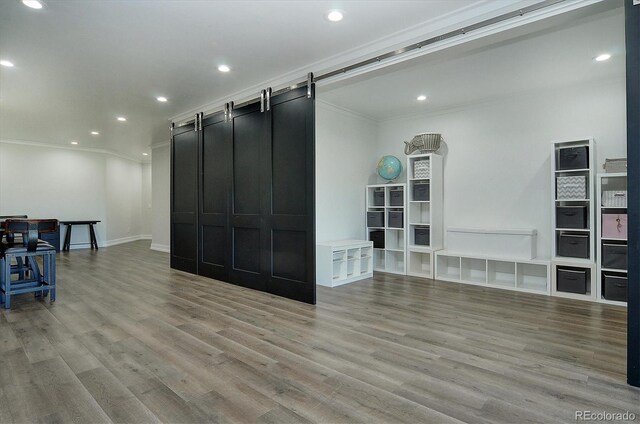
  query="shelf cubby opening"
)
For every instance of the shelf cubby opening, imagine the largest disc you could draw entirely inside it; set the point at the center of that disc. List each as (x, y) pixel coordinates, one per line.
(474, 270)
(378, 259)
(366, 252)
(366, 264)
(424, 161)
(339, 270)
(420, 213)
(420, 263)
(532, 277)
(353, 254)
(339, 255)
(353, 268)
(501, 273)
(448, 267)
(394, 239)
(394, 262)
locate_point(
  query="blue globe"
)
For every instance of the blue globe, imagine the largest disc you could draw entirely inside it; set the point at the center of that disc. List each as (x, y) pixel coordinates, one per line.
(389, 167)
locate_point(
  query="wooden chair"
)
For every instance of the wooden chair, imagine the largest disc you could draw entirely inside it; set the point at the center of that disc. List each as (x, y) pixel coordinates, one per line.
(25, 254)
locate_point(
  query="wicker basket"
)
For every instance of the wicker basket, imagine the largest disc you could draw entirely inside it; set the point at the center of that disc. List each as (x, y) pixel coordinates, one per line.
(426, 143)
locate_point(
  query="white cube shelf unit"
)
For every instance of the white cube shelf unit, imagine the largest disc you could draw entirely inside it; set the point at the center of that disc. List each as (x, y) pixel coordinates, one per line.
(616, 185)
(424, 213)
(573, 219)
(526, 275)
(387, 227)
(344, 261)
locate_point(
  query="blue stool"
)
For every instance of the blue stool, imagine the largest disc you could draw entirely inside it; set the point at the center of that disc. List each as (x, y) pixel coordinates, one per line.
(30, 279)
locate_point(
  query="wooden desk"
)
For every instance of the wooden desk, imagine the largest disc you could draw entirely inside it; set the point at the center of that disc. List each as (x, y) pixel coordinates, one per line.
(67, 235)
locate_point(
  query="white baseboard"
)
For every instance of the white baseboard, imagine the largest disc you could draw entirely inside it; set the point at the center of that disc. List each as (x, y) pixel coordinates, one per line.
(160, 247)
(113, 242)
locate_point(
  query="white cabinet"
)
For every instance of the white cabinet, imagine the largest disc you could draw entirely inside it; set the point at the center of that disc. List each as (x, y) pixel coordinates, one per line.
(386, 223)
(611, 202)
(424, 212)
(344, 261)
(573, 218)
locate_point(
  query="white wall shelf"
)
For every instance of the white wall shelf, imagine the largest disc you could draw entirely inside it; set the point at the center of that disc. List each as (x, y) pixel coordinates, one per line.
(608, 182)
(531, 276)
(424, 213)
(392, 258)
(344, 261)
(568, 263)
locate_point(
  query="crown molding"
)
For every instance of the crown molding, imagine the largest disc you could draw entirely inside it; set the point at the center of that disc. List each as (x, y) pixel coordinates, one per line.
(73, 149)
(159, 145)
(343, 110)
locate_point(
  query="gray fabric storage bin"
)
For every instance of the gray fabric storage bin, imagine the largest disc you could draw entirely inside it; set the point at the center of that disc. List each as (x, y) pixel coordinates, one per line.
(421, 191)
(421, 236)
(571, 280)
(395, 219)
(375, 219)
(615, 287)
(377, 237)
(573, 245)
(573, 158)
(571, 217)
(396, 197)
(378, 197)
(614, 256)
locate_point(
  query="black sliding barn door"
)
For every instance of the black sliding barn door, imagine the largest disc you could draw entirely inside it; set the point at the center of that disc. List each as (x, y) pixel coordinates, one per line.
(290, 213)
(243, 197)
(184, 199)
(215, 195)
(248, 238)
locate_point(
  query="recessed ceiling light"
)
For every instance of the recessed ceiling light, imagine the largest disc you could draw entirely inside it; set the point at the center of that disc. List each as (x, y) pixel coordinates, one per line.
(95, 133)
(161, 99)
(223, 68)
(34, 4)
(422, 97)
(121, 118)
(603, 57)
(335, 16)
(6, 63)
(74, 142)
(145, 154)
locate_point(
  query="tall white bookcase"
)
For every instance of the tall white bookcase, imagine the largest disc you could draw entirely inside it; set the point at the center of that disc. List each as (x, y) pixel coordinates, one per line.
(425, 213)
(609, 182)
(572, 264)
(391, 258)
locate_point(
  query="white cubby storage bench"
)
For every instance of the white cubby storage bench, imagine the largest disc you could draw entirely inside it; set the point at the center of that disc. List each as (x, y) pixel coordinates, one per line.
(344, 261)
(507, 262)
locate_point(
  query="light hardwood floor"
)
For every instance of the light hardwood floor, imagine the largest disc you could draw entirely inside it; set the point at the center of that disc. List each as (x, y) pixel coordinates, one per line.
(130, 340)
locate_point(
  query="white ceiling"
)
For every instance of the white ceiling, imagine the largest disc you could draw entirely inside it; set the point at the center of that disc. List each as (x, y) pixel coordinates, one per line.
(543, 56)
(79, 64)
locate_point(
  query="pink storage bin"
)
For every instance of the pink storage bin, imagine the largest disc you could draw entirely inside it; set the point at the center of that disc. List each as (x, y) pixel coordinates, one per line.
(614, 226)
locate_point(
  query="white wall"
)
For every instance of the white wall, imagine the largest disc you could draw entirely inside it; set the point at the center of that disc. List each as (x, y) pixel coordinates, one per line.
(345, 160)
(124, 194)
(161, 177)
(72, 184)
(497, 167)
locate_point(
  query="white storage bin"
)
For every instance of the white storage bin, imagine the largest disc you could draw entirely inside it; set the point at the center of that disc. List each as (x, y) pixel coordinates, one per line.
(574, 187)
(512, 244)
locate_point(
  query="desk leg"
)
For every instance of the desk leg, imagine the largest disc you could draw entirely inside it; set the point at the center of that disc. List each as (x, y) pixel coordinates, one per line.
(67, 238)
(94, 241)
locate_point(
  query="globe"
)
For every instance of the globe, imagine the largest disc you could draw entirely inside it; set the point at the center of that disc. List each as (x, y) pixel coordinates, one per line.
(389, 167)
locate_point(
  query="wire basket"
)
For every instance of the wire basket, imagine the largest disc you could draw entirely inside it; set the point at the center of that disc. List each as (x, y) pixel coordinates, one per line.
(425, 143)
